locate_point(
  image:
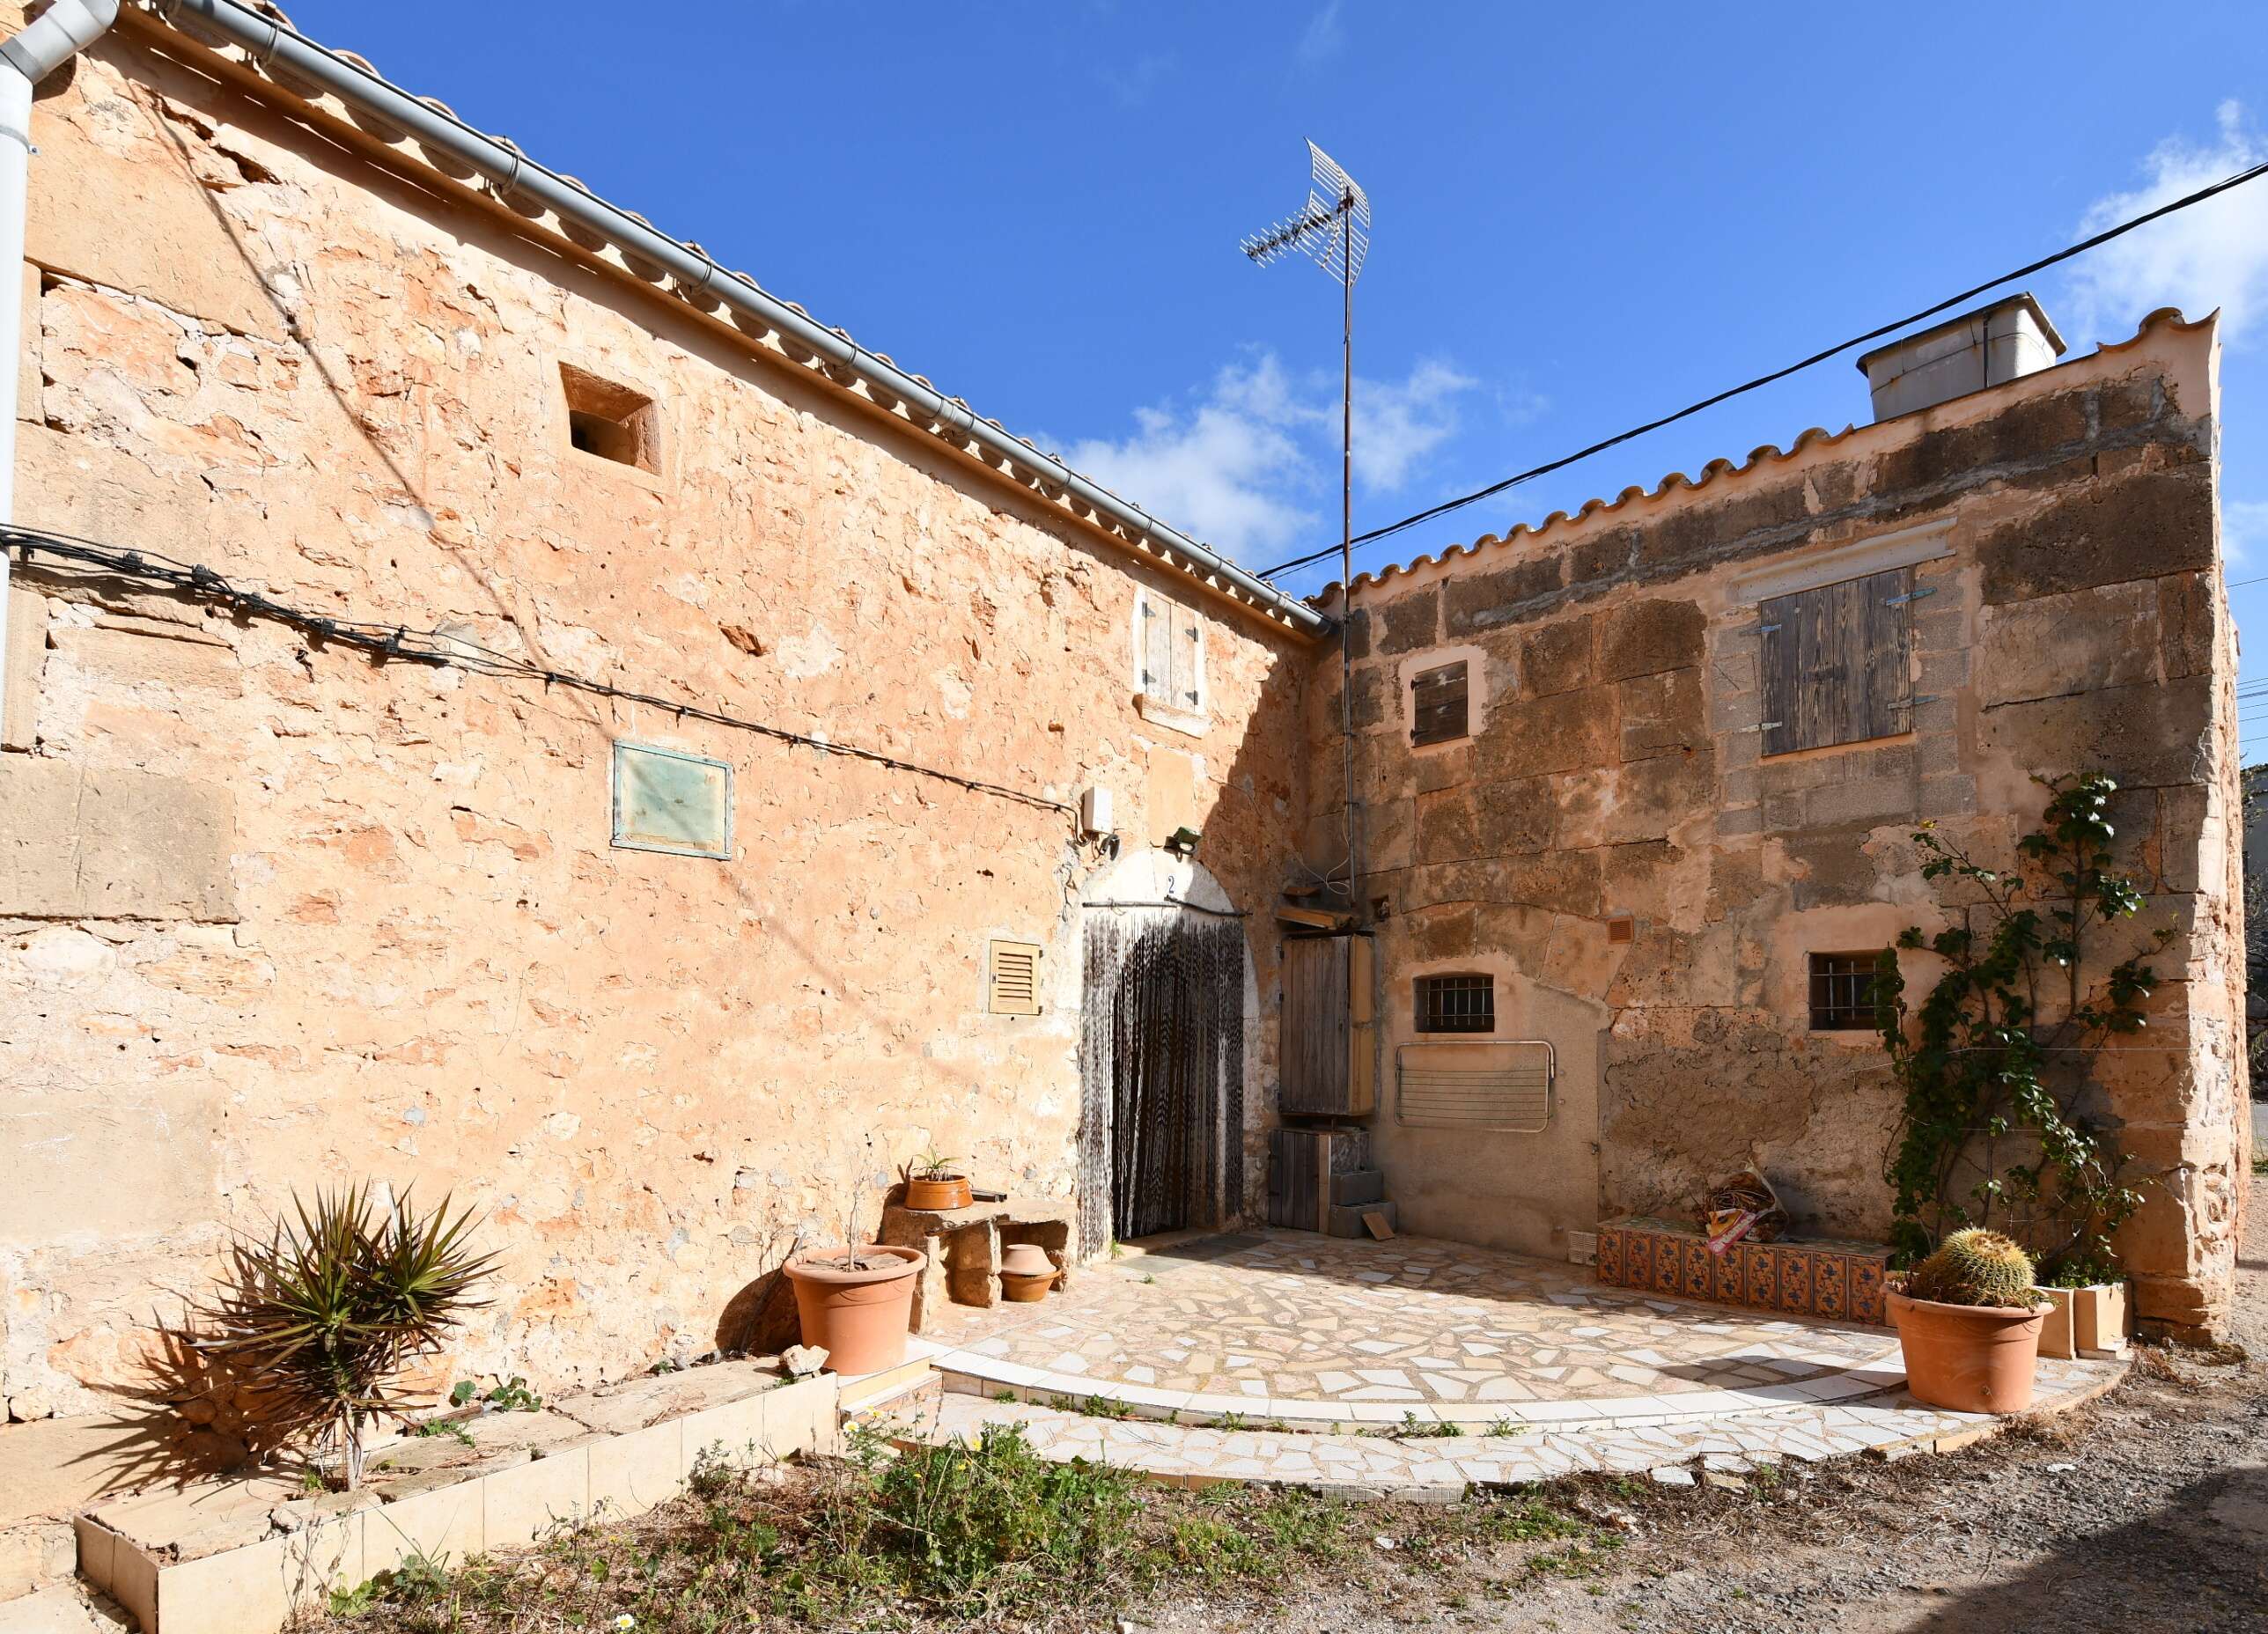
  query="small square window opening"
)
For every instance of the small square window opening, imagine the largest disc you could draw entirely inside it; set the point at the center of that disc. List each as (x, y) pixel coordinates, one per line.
(1842, 992)
(1456, 1003)
(610, 422)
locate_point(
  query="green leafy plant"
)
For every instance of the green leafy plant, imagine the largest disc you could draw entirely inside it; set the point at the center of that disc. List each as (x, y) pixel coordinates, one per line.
(326, 1314)
(513, 1397)
(933, 1165)
(1997, 1062)
(453, 1429)
(1975, 1267)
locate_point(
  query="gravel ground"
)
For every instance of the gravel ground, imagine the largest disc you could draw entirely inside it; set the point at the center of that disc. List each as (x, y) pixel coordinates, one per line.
(2147, 1510)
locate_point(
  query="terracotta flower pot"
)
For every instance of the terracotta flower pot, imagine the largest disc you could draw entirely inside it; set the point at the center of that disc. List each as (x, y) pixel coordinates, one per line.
(1027, 1273)
(860, 1318)
(1967, 1358)
(936, 1195)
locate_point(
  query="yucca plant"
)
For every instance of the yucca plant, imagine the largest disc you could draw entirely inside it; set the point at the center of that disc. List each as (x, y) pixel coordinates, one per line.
(328, 1313)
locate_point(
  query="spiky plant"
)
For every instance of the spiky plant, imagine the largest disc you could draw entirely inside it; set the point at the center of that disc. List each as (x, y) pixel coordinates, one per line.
(1975, 1267)
(328, 1313)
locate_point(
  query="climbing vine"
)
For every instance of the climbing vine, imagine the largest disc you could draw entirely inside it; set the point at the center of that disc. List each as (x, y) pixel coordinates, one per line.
(1998, 1063)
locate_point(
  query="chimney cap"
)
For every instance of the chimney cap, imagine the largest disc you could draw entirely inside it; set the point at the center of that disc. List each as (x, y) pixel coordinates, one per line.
(2021, 297)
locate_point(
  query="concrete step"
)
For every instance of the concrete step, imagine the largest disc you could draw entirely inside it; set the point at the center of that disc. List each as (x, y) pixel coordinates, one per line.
(34, 1553)
(1345, 1220)
(863, 1392)
(1358, 1186)
(64, 1609)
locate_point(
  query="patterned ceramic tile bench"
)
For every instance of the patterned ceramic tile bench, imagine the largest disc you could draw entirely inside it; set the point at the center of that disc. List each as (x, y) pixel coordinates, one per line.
(1822, 1276)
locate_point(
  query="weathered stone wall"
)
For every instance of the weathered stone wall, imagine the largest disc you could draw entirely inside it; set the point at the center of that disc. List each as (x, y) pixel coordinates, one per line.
(273, 915)
(2066, 529)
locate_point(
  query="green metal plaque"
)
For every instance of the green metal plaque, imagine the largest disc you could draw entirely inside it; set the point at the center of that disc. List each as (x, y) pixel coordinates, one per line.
(667, 800)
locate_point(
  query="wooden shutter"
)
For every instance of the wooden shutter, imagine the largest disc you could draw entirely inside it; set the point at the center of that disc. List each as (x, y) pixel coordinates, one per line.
(1437, 704)
(1173, 651)
(1154, 618)
(1188, 641)
(1326, 1060)
(1835, 665)
(1015, 985)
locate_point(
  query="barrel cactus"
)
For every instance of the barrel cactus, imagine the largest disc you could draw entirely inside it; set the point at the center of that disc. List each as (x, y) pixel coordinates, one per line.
(1975, 1267)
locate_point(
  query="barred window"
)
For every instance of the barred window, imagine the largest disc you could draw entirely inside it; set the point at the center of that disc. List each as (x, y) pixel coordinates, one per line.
(1842, 992)
(1456, 1003)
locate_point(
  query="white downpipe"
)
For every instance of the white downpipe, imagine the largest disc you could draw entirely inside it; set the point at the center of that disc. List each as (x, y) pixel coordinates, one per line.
(61, 33)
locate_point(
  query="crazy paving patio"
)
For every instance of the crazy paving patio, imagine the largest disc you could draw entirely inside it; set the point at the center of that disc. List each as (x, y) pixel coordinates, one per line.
(1420, 1367)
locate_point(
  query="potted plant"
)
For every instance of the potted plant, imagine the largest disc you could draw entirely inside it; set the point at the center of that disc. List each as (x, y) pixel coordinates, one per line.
(1969, 1322)
(933, 1184)
(856, 1302)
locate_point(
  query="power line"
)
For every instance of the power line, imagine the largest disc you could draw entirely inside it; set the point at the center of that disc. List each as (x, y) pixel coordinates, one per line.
(399, 641)
(2084, 244)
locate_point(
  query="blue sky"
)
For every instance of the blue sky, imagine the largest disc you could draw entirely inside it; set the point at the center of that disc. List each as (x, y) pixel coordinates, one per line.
(1584, 215)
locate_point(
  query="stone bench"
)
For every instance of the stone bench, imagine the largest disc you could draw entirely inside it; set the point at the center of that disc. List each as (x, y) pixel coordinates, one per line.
(964, 1247)
(1830, 1277)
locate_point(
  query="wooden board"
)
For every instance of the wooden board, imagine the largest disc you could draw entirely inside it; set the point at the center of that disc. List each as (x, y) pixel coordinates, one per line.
(1316, 1027)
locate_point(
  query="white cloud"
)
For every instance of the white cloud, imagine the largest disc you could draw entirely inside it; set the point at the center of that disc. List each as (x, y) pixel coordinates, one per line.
(1322, 39)
(2212, 254)
(1251, 464)
(2244, 529)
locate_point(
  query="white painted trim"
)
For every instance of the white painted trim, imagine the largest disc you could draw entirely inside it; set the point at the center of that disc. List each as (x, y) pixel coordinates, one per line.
(1814, 569)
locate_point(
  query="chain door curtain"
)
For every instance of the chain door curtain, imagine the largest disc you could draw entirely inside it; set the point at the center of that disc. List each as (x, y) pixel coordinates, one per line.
(1162, 1074)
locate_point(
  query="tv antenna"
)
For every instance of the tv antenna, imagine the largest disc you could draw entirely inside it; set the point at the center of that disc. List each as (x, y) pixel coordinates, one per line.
(1333, 230)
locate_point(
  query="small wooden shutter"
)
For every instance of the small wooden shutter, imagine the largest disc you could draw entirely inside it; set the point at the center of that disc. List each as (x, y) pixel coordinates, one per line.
(1189, 657)
(1173, 651)
(1154, 615)
(1437, 704)
(1834, 663)
(1015, 980)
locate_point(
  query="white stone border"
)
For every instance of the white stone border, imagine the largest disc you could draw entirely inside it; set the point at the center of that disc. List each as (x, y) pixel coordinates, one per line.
(972, 1372)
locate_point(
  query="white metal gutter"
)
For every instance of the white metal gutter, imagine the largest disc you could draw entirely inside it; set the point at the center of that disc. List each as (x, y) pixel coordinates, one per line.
(277, 49)
(62, 32)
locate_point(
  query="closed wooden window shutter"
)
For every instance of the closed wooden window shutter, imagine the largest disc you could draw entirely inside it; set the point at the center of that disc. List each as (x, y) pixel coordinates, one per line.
(1014, 988)
(1437, 704)
(1835, 662)
(1188, 638)
(1156, 617)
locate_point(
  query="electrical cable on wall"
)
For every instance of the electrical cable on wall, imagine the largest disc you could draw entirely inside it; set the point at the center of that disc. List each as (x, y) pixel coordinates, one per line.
(1545, 469)
(400, 643)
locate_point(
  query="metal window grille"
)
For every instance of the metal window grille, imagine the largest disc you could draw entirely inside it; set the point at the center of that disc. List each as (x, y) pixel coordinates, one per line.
(1504, 1084)
(1456, 1003)
(1842, 992)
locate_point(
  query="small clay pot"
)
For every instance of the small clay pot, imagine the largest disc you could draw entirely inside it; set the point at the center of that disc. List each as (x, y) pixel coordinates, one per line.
(860, 1318)
(936, 1195)
(1026, 1273)
(1968, 1358)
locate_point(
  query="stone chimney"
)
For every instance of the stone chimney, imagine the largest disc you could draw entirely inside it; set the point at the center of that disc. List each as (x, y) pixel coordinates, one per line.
(2008, 339)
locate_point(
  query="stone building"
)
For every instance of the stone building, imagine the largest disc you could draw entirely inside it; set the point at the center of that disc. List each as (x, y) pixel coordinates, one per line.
(717, 833)
(1662, 857)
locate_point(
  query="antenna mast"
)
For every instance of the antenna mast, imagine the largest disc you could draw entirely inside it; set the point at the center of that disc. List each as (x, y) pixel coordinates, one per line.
(1333, 230)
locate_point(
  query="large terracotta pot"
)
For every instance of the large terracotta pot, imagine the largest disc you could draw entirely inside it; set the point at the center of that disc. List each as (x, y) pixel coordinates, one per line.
(1968, 1358)
(1027, 1273)
(860, 1318)
(934, 1196)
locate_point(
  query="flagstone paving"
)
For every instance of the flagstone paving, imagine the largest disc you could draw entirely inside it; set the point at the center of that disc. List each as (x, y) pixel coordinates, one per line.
(1315, 1330)
(1439, 1469)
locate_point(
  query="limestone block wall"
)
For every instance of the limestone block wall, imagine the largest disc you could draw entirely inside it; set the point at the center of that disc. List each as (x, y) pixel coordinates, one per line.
(273, 915)
(1646, 885)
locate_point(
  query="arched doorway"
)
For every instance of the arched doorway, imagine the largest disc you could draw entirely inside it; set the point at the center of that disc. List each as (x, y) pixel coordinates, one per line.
(1169, 1003)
